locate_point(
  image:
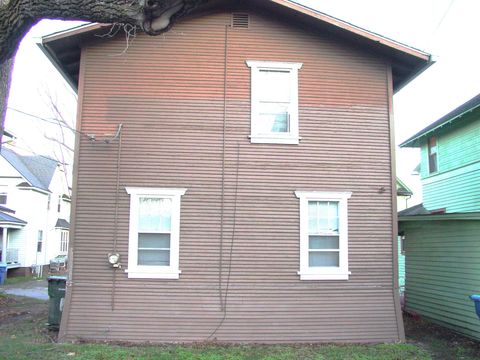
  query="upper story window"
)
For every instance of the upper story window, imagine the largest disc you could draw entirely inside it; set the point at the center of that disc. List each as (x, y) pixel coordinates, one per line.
(274, 100)
(59, 206)
(3, 198)
(323, 235)
(432, 155)
(154, 236)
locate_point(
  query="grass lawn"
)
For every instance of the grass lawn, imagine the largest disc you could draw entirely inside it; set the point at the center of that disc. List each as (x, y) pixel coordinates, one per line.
(23, 336)
(19, 279)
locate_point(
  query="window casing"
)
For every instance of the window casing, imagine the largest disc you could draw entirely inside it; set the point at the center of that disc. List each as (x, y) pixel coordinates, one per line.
(323, 235)
(64, 234)
(3, 198)
(154, 234)
(39, 240)
(274, 102)
(432, 155)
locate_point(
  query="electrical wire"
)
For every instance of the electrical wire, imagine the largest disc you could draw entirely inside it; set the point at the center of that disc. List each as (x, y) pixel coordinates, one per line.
(115, 221)
(434, 32)
(235, 201)
(51, 121)
(222, 205)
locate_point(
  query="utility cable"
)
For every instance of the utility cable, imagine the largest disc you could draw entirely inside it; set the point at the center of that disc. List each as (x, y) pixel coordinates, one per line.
(235, 201)
(115, 220)
(222, 200)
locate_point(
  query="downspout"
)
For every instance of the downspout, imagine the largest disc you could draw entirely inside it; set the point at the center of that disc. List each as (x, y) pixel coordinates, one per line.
(394, 239)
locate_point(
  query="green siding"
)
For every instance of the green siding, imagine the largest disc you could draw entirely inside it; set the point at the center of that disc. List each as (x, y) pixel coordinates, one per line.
(456, 185)
(442, 271)
(457, 145)
(459, 192)
(401, 265)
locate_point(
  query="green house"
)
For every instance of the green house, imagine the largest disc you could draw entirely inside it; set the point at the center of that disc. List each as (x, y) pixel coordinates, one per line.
(442, 235)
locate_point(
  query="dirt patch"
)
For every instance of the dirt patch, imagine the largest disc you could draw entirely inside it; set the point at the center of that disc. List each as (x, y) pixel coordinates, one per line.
(441, 342)
(15, 309)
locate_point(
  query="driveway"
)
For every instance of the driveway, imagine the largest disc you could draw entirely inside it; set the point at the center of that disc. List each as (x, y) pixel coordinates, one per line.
(37, 289)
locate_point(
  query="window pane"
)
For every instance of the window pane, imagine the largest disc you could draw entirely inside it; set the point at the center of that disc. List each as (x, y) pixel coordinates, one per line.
(322, 217)
(324, 258)
(323, 242)
(154, 241)
(273, 118)
(274, 85)
(154, 257)
(154, 215)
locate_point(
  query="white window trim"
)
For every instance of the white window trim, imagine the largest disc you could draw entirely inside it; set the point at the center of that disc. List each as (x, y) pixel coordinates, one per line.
(288, 138)
(154, 272)
(324, 273)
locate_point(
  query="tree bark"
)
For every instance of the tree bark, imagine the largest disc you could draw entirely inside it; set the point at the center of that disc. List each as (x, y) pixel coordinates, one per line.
(18, 16)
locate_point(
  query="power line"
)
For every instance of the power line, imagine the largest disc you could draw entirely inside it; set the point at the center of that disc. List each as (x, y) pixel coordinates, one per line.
(439, 24)
(51, 121)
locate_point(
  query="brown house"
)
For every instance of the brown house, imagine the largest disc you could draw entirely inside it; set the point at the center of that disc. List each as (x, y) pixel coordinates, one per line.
(241, 167)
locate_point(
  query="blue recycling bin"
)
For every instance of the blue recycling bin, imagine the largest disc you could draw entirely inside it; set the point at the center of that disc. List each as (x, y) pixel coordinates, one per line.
(3, 273)
(476, 300)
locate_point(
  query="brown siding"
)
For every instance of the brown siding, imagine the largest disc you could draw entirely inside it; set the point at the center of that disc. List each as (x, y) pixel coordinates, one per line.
(167, 91)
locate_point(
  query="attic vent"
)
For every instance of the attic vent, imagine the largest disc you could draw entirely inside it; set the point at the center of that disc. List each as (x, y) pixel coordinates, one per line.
(240, 20)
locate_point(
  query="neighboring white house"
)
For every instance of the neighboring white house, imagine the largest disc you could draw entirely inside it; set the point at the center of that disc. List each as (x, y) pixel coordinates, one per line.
(34, 210)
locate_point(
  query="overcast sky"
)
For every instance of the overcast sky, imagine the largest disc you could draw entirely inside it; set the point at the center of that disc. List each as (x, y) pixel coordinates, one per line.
(447, 29)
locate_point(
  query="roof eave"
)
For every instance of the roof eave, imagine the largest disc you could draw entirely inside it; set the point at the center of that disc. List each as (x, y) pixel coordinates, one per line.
(413, 61)
(415, 140)
(437, 217)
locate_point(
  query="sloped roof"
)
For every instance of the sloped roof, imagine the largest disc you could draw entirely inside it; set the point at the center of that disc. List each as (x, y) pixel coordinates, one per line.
(62, 224)
(402, 189)
(452, 117)
(6, 219)
(37, 170)
(63, 48)
(414, 210)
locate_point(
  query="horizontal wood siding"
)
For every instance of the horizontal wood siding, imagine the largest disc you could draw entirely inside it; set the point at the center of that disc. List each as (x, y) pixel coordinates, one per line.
(167, 91)
(442, 271)
(456, 191)
(401, 264)
(456, 185)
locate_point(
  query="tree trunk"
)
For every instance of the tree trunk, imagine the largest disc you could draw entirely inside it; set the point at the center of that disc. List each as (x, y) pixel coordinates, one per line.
(18, 16)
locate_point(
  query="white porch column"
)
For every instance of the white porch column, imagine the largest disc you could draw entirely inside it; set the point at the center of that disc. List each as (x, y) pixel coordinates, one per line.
(4, 245)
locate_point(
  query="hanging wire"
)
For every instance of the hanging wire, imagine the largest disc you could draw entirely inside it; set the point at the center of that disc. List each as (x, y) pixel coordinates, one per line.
(52, 121)
(115, 223)
(222, 206)
(235, 201)
(434, 32)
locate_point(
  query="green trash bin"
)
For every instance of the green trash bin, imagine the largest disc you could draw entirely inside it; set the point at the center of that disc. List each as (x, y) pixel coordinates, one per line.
(56, 294)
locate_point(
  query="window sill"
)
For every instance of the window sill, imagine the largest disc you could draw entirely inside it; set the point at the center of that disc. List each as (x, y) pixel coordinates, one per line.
(138, 274)
(265, 139)
(324, 276)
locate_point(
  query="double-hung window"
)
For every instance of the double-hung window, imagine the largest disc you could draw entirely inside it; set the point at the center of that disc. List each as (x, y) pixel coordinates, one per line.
(432, 155)
(274, 102)
(323, 235)
(64, 241)
(154, 235)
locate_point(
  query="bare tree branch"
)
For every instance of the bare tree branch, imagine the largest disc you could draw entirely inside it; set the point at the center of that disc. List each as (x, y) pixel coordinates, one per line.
(18, 16)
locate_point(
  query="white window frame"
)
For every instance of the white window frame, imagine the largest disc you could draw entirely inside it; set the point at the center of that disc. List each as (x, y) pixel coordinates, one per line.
(64, 237)
(292, 137)
(324, 273)
(154, 272)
